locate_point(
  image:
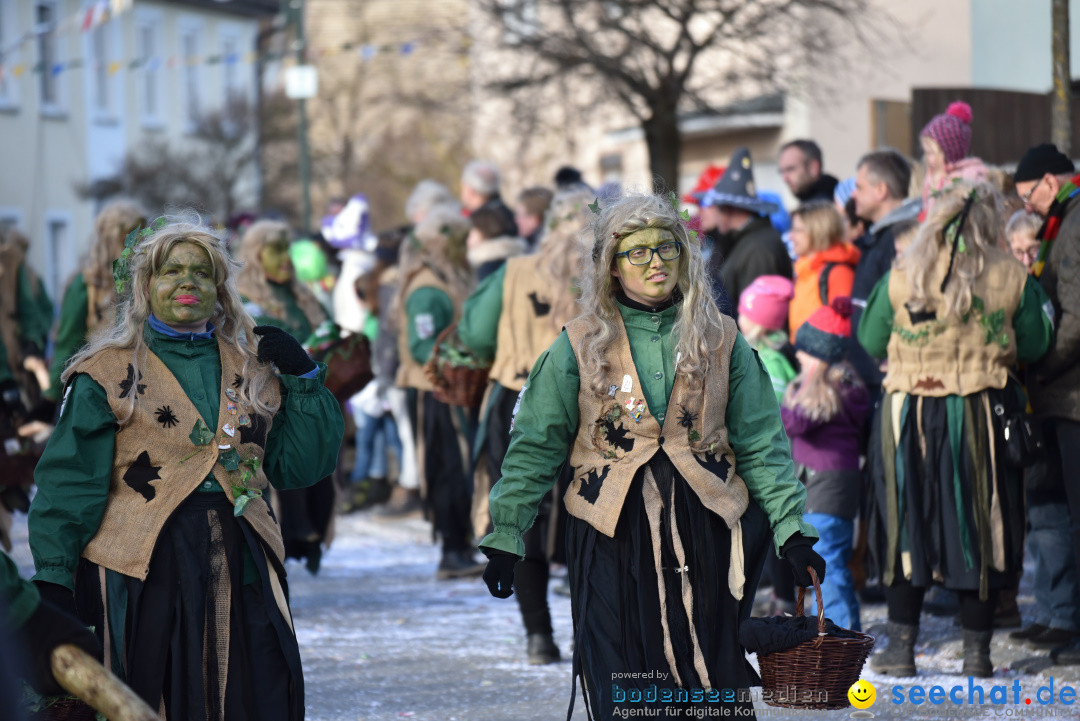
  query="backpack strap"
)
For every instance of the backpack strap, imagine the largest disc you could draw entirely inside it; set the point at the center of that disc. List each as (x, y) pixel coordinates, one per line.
(823, 283)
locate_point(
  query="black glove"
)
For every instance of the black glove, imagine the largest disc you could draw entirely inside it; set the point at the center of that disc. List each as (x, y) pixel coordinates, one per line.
(44, 411)
(499, 574)
(278, 347)
(62, 598)
(798, 551)
(47, 628)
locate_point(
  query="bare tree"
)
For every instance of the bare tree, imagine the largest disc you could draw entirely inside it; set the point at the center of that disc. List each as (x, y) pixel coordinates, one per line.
(658, 58)
(1061, 102)
(212, 170)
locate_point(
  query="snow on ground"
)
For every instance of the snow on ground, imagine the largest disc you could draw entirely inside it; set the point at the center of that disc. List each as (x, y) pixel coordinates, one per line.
(382, 639)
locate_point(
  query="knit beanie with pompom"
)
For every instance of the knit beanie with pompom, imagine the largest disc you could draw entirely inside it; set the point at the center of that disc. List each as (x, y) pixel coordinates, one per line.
(827, 332)
(951, 131)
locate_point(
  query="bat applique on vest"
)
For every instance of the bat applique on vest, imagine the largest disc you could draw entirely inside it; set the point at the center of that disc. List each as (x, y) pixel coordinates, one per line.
(525, 329)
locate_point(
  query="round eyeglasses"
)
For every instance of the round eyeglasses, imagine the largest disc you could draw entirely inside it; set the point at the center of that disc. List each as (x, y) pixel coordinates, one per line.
(644, 256)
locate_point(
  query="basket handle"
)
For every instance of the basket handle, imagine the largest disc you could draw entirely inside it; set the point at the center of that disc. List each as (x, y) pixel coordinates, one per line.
(799, 606)
(436, 378)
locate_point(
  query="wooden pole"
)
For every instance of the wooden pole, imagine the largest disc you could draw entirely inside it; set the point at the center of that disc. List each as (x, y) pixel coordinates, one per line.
(1061, 105)
(83, 677)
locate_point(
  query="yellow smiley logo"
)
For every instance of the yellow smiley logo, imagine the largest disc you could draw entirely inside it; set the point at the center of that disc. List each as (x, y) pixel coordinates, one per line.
(862, 694)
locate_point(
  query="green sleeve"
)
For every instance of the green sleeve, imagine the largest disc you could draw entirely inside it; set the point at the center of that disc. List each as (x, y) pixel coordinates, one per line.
(875, 327)
(70, 332)
(429, 311)
(304, 440)
(18, 596)
(762, 449)
(479, 326)
(779, 369)
(1034, 326)
(371, 327)
(73, 482)
(543, 428)
(35, 311)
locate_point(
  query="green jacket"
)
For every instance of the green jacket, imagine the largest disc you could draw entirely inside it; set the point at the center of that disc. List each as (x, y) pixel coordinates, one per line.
(437, 305)
(1034, 329)
(479, 326)
(34, 313)
(18, 595)
(779, 369)
(295, 323)
(71, 331)
(73, 474)
(547, 422)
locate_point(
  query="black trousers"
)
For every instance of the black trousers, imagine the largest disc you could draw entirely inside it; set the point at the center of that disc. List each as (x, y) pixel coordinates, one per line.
(447, 474)
(1068, 457)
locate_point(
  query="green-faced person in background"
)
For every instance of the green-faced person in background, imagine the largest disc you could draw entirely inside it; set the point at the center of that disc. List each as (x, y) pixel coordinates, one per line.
(682, 473)
(150, 521)
(275, 297)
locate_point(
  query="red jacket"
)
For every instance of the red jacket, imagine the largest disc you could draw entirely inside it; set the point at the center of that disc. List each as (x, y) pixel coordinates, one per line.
(807, 281)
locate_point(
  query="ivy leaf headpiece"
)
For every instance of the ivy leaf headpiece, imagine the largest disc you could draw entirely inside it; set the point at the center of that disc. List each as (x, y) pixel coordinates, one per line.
(121, 267)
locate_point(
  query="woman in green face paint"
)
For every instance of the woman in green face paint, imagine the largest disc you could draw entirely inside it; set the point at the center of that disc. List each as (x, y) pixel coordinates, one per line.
(681, 474)
(150, 521)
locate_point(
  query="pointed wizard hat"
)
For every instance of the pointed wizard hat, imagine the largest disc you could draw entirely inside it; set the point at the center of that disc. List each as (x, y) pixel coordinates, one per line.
(736, 187)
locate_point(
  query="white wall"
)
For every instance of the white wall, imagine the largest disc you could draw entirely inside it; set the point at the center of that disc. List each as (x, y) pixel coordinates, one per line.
(1010, 44)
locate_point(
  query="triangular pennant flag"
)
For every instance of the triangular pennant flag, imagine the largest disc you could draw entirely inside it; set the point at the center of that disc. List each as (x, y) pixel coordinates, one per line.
(88, 19)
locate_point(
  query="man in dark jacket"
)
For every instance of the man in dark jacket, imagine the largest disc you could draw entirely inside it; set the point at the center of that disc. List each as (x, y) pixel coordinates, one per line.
(1046, 179)
(881, 184)
(801, 168)
(749, 246)
(480, 183)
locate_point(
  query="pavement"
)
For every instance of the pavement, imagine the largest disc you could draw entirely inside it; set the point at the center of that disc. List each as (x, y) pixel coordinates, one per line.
(381, 638)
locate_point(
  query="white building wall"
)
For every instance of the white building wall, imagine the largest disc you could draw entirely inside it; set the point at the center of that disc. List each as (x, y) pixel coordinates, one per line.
(1010, 44)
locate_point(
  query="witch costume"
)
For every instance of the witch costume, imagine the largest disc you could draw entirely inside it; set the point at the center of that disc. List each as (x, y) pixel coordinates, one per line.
(676, 492)
(161, 528)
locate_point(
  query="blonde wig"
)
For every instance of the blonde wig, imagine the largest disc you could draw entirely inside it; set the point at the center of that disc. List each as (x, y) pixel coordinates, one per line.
(823, 222)
(439, 244)
(981, 230)
(232, 325)
(252, 281)
(564, 243)
(817, 393)
(111, 228)
(698, 327)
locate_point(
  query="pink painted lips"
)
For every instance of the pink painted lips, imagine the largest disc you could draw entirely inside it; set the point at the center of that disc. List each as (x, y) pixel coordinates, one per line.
(187, 300)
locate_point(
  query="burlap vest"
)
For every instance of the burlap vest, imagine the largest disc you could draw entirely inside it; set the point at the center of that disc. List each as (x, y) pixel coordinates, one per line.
(611, 446)
(156, 465)
(948, 356)
(410, 374)
(11, 257)
(525, 324)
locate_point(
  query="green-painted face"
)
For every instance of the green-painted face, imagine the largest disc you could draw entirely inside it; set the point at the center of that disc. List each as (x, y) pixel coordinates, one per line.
(275, 259)
(183, 292)
(652, 283)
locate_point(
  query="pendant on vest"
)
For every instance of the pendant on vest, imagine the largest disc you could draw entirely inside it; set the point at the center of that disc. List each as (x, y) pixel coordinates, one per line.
(230, 393)
(627, 384)
(231, 406)
(243, 420)
(609, 436)
(612, 390)
(229, 429)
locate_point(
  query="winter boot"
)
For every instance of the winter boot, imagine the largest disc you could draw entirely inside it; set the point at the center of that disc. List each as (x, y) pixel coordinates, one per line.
(899, 658)
(977, 654)
(541, 649)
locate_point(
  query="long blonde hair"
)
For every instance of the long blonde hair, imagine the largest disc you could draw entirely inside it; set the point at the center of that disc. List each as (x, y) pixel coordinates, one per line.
(565, 242)
(111, 227)
(981, 230)
(817, 393)
(252, 281)
(233, 326)
(698, 328)
(438, 243)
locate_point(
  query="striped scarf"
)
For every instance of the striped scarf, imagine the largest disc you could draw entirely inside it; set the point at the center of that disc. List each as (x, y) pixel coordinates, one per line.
(1052, 224)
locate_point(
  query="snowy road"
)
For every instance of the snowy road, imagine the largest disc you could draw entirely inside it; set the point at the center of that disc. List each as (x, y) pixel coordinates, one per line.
(382, 639)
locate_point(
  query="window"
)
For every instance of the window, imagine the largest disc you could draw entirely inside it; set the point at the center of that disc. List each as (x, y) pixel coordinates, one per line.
(149, 73)
(45, 16)
(8, 53)
(59, 251)
(189, 49)
(230, 68)
(100, 53)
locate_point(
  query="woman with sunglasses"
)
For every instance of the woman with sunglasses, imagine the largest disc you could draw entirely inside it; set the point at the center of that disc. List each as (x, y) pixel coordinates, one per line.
(681, 473)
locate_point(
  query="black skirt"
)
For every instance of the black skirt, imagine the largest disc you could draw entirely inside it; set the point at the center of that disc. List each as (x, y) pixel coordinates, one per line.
(619, 636)
(192, 638)
(944, 505)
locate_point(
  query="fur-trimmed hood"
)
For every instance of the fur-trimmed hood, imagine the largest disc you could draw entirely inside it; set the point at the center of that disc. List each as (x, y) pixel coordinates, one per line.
(496, 249)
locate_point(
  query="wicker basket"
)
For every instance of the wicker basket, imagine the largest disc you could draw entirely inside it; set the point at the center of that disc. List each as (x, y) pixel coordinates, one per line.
(455, 385)
(66, 709)
(821, 670)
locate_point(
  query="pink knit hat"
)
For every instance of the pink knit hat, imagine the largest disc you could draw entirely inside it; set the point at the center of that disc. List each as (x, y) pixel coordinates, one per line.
(765, 301)
(951, 131)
